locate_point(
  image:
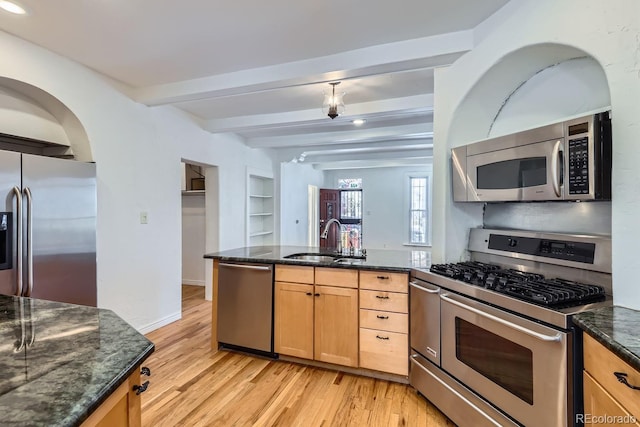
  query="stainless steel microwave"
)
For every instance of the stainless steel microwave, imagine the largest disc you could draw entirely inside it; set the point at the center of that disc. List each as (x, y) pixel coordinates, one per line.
(569, 160)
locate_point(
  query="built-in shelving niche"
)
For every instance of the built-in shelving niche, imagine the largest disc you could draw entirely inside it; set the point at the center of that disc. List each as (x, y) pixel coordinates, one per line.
(260, 206)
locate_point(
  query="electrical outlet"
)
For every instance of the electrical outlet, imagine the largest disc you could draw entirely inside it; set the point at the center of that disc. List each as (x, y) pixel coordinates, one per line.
(144, 218)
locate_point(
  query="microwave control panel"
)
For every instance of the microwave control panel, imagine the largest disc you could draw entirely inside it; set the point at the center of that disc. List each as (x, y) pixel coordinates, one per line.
(579, 166)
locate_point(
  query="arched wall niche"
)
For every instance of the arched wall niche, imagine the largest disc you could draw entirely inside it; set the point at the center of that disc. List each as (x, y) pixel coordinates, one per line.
(29, 112)
(530, 87)
(527, 88)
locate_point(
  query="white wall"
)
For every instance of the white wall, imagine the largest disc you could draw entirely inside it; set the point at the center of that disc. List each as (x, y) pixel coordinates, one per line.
(138, 151)
(295, 179)
(193, 240)
(385, 203)
(523, 38)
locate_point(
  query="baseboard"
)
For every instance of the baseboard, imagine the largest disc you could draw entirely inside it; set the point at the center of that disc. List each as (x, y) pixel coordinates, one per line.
(193, 282)
(160, 323)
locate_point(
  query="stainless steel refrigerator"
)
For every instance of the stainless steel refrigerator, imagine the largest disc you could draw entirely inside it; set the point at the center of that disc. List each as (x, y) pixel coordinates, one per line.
(47, 228)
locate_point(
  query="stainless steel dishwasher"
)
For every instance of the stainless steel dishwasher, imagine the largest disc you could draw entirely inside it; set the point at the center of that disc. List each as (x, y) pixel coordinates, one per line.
(245, 307)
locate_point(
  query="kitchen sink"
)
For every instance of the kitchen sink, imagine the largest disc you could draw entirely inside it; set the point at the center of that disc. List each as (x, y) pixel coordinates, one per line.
(328, 258)
(349, 261)
(312, 257)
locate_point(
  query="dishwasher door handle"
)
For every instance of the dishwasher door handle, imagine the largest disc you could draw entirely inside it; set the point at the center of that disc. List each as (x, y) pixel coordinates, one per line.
(247, 267)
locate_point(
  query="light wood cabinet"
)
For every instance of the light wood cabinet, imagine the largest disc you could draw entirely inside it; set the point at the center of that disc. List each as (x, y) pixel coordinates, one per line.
(384, 281)
(604, 395)
(384, 322)
(385, 301)
(122, 407)
(293, 319)
(294, 274)
(336, 325)
(345, 278)
(317, 321)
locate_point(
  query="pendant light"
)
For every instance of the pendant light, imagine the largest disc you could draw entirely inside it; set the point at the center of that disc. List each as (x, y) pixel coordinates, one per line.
(333, 105)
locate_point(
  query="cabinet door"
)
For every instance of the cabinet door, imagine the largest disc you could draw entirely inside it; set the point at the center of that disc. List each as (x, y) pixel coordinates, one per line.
(293, 320)
(599, 404)
(336, 325)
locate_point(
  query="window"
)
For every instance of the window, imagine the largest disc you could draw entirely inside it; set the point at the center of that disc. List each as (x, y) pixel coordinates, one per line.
(418, 231)
(351, 217)
(349, 183)
(351, 211)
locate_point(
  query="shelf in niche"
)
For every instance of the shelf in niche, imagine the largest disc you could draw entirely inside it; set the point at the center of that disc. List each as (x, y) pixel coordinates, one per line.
(193, 192)
(260, 209)
(261, 233)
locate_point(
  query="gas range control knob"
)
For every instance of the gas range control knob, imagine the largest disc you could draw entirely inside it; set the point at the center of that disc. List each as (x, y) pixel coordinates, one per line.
(512, 242)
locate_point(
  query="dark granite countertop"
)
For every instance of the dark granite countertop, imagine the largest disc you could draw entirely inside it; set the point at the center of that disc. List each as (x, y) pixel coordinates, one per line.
(616, 328)
(59, 362)
(376, 259)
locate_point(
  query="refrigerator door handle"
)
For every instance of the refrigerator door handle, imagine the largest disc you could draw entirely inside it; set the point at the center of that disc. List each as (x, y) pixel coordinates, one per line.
(27, 192)
(16, 192)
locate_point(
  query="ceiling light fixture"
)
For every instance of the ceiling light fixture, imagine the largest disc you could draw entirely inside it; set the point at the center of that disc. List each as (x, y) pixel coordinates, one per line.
(12, 7)
(333, 105)
(358, 122)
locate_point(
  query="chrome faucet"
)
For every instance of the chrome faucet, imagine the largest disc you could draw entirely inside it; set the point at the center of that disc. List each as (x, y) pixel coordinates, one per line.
(325, 232)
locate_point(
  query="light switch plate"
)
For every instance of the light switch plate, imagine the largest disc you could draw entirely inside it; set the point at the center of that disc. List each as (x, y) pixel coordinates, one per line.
(144, 218)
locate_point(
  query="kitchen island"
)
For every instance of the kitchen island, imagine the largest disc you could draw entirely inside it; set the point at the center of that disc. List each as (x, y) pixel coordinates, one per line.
(61, 362)
(341, 310)
(375, 259)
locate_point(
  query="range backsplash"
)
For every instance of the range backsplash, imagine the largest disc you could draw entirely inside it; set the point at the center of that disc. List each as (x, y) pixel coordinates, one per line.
(562, 217)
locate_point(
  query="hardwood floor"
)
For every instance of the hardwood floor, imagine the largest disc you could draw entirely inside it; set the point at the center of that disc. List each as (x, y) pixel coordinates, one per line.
(193, 386)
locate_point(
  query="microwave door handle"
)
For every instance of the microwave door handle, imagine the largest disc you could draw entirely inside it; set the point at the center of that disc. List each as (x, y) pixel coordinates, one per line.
(556, 164)
(542, 337)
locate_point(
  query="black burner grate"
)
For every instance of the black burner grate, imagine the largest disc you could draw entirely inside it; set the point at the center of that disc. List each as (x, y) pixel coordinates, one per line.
(530, 287)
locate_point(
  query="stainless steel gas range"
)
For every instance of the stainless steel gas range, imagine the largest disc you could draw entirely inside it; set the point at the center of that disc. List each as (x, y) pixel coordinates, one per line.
(492, 338)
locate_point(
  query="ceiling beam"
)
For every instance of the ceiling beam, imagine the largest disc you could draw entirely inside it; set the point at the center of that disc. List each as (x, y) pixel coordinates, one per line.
(381, 163)
(390, 133)
(416, 105)
(427, 52)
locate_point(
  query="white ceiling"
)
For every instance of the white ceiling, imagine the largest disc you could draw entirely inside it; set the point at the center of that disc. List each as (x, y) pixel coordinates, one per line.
(259, 69)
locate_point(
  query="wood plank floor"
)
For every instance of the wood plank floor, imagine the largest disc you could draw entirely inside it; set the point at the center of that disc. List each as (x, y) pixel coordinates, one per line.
(194, 386)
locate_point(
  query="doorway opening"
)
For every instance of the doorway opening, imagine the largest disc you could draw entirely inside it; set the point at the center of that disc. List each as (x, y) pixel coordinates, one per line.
(199, 229)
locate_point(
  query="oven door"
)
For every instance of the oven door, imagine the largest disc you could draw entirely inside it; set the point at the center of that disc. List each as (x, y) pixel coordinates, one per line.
(527, 172)
(518, 365)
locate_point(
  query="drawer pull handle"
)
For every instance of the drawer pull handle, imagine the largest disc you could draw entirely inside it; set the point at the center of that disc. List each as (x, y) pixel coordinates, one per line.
(309, 293)
(317, 295)
(381, 297)
(622, 377)
(382, 317)
(383, 277)
(382, 338)
(141, 388)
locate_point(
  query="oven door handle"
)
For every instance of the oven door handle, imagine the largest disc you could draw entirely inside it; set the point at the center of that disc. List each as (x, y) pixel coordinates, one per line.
(542, 337)
(422, 288)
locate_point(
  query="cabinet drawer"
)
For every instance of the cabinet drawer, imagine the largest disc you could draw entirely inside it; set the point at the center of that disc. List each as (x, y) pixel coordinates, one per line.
(384, 301)
(384, 321)
(384, 351)
(384, 281)
(341, 277)
(294, 273)
(599, 403)
(601, 363)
